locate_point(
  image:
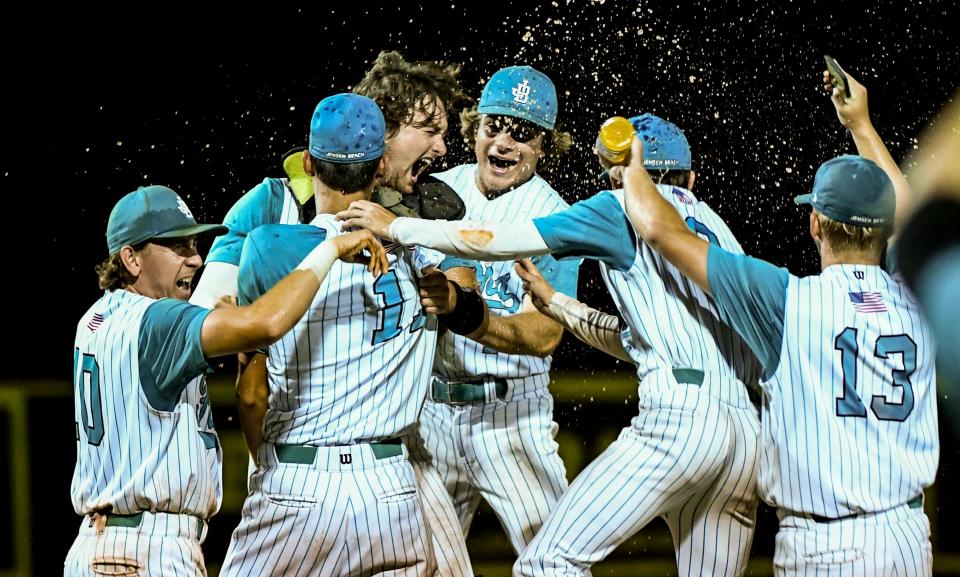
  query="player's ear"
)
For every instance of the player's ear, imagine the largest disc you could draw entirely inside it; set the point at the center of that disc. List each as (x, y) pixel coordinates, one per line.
(382, 167)
(814, 226)
(308, 163)
(691, 178)
(130, 260)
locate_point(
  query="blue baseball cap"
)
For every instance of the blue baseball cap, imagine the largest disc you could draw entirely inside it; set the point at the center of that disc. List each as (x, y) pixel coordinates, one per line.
(347, 128)
(152, 212)
(854, 190)
(664, 145)
(522, 92)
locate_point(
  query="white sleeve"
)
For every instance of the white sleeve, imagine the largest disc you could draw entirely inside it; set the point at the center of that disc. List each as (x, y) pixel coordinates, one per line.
(219, 279)
(425, 258)
(598, 329)
(477, 240)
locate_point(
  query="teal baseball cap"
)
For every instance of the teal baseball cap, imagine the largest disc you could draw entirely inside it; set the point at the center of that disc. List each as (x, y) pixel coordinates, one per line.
(152, 212)
(347, 128)
(522, 92)
(854, 190)
(665, 147)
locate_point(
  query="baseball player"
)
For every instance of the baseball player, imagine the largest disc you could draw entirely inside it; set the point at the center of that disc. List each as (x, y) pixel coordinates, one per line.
(488, 424)
(334, 492)
(148, 458)
(691, 455)
(415, 98)
(849, 408)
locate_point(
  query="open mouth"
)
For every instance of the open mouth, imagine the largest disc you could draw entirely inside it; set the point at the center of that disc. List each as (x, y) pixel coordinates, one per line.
(502, 163)
(420, 166)
(185, 283)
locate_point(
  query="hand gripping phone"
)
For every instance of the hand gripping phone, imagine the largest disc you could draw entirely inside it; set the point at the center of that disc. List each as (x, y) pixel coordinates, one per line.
(837, 76)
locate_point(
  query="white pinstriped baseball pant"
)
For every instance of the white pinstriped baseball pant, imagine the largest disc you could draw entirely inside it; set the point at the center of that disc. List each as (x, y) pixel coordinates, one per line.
(162, 544)
(687, 457)
(502, 451)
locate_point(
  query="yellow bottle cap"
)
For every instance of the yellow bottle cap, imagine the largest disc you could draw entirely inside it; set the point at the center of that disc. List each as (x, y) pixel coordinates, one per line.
(614, 139)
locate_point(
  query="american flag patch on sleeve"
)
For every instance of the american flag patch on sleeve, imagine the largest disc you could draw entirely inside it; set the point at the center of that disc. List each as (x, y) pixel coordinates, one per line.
(868, 302)
(95, 322)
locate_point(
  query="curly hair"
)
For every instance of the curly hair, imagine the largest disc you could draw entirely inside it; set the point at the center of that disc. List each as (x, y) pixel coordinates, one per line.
(112, 275)
(555, 142)
(402, 89)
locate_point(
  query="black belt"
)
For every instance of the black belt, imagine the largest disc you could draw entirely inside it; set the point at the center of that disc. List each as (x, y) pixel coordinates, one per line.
(461, 393)
(915, 503)
(305, 454)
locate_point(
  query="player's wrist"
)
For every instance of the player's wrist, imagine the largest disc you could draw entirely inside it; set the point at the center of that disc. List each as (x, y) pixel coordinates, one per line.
(321, 258)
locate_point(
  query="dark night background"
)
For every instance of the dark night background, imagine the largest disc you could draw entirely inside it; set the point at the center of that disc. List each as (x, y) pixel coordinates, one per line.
(99, 103)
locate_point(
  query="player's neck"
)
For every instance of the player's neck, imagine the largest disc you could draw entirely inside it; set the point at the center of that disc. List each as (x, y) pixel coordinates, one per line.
(331, 201)
(829, 258)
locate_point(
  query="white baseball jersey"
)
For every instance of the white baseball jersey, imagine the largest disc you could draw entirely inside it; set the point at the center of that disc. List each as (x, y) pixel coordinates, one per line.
(850, 418)
(672, 322)
(510, 458)
(461, 358)
(352, 371)
(144, 429)
(695, 467)
(272, 202)
(146, 445)
(355, 367)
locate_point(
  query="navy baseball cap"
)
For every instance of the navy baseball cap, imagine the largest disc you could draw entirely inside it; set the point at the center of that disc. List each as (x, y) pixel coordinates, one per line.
(854, 190)
(347, 128)
(152, 212)
(664, 145)
(522, 92)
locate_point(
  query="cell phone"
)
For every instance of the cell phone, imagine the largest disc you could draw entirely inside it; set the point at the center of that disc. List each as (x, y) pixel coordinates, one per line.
(837, 76)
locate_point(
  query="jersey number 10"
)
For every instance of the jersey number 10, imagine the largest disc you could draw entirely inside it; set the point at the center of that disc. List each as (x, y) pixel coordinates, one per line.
(86, 374)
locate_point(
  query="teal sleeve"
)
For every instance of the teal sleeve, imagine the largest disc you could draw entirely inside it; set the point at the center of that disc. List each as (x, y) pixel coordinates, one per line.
(270, 253)
(562, 274)
(751, 296)
(170, 353)
(938, 290)
(595, 228)
(454, 262)
(262, 204)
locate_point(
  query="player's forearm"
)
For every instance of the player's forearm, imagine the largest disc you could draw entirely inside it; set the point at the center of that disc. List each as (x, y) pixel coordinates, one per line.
(252, 393)
(870, 145)
(526, 333)
(235, 330)
(478, 240)
(598, 329)
(659, 224)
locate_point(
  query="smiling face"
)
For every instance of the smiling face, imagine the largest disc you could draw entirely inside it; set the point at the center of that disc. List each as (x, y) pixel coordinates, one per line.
(164, 267)
(508, 150)
(415, 146)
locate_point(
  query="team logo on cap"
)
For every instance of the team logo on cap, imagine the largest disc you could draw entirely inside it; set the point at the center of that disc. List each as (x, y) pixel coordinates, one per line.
(521, 92)
(182, 206)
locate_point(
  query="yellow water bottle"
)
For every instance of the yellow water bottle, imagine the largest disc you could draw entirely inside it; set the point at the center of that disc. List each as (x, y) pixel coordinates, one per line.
(614, 139)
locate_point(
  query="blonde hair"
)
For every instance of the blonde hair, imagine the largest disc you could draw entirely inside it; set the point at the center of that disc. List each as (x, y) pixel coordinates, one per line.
(845, 237)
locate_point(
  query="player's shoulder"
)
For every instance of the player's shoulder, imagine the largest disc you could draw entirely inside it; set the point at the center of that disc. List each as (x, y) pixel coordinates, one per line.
(457, 177)
(538, 196)
(272, 240)
(270, 253)
(261, 204)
